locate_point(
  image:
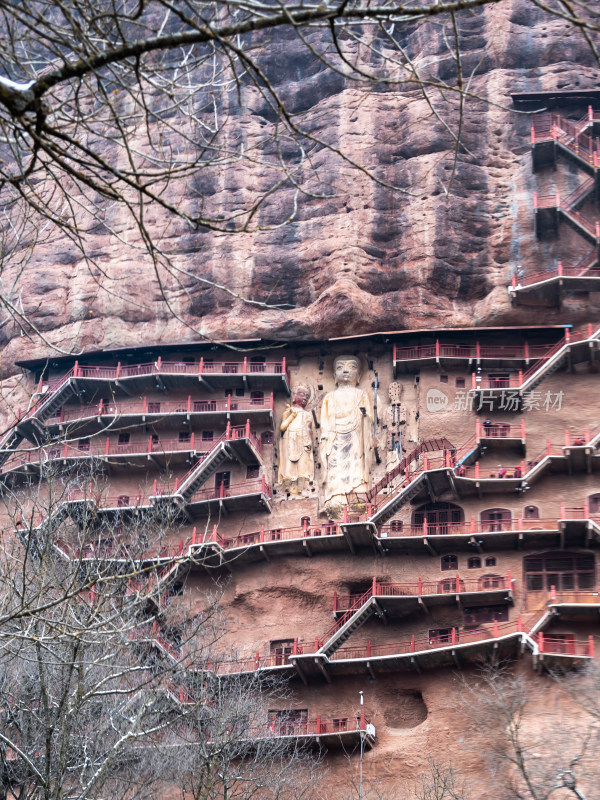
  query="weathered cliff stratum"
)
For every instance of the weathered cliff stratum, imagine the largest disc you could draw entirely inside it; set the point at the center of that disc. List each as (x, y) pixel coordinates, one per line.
(366, 259)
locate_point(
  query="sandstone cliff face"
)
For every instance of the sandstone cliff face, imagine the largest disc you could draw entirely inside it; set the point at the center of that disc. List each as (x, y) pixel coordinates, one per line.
(368, 258)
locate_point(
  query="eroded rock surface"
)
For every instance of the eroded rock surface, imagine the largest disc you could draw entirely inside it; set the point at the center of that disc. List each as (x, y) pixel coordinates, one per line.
(366, 259)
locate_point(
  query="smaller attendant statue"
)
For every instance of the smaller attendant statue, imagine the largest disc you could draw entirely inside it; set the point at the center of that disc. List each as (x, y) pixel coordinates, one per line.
(394, 418)
(296, 461)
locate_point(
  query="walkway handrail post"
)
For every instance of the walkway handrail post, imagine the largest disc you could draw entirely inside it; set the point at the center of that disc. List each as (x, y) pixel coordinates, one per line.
(424, 526)
(477, 469)
(473, 525)
(412, 643)
(453, 636)
(374, 587)
(419, 587)
(495, 629)
(591, 645)
(318, 728)
(553, 592)
(457, 579)
(262, 533)
(541, 641)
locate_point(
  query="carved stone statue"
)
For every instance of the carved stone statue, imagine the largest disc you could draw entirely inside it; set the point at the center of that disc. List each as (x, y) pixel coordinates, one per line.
(296, 461)
(346, 436)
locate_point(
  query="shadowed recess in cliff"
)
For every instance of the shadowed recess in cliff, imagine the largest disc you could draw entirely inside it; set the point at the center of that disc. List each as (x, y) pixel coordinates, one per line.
(405, 709)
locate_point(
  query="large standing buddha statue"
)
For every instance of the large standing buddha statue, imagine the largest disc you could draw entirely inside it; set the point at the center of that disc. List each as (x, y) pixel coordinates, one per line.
(346, 436)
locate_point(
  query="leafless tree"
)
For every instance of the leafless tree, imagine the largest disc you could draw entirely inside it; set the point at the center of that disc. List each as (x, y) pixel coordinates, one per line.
(171, 118)
(535, 741)
(106, 688)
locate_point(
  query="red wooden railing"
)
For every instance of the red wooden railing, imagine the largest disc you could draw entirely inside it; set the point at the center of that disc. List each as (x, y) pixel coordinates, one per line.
(351, 604)
(424, 641)
(158, 367)
(275, 535)
(557, 645)
(431, 445)
(477, 351)
(453, 584)
(585, 268)
(257, 486)
(112, 447)
(189, 405)
(468, 528)
(96, 449)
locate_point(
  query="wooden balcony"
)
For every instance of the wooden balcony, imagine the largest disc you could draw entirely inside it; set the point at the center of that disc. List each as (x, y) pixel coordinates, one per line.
(169, 375)
(415, 357)
(401, 599)
(560, 651)
(202, 411)
(250, 495)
